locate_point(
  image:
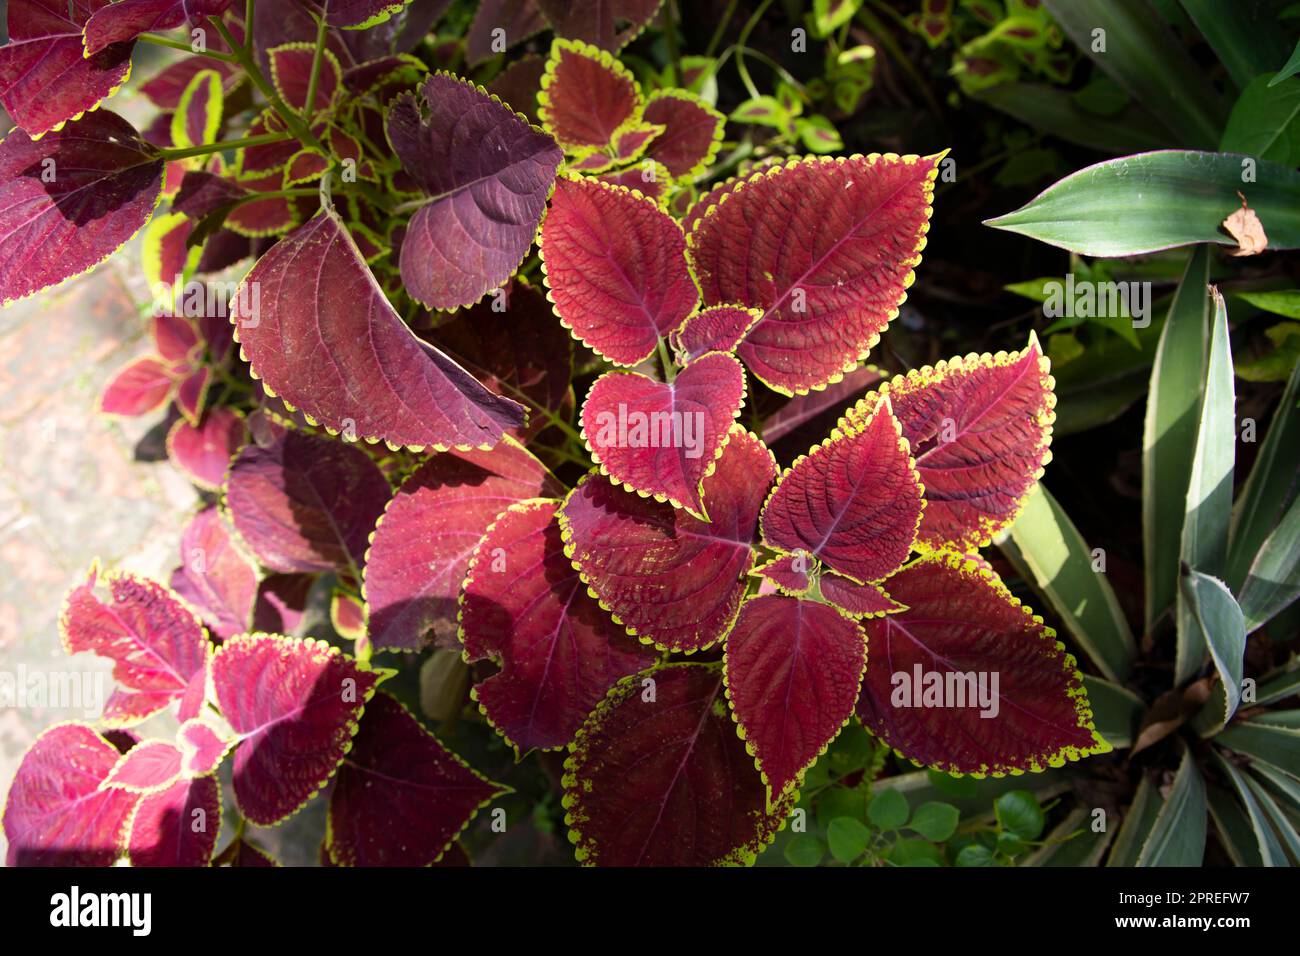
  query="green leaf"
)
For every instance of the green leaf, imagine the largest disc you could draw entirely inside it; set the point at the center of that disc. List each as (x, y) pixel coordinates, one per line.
(1291, 68)
(1219, 625)
(1061, 564)
(840, 802)
(1209, 488)
(1276, 365)
(1139, 818)
(1116, 710)
(975, 855)
(959, 787)
(911, 852)
(888, 810)
(762, 111)
(1233, 827)
(1264, 122)
(1243, 34)
(1273, 581)
(1272, 745)
(1145, 58)
(1073, 842)
(1282, 826)
(1169, 436)
(847, 838)
(830, 15)
(1056, 112)
(819, 134)
(1270, 850)
(1178, 836)
(1018, 813)
(804, 849)
(1285, 302)
(1269, 489)
(1279, 684)
(935, 821)
(1158, 200)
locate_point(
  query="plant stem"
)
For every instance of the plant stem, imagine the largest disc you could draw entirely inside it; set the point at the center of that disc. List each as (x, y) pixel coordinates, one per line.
(721, 31)
(313, 81)
(670, 370)
(184, 152)
(248, 25)
(741, 68)
(670, 37)
(157, 40)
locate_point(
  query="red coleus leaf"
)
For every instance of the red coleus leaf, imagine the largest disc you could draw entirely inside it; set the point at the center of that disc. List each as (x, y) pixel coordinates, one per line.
(401, 798)
(969, 681)
(295, 706)
(197, 119)
(157, 645)
(202, 748)
(149, 767)
(649, 178)
(661, 439)
(518, 84)
(202, 452)
(291, 65)
(516, 19)
(241, 852)
(631, 141)
(658, 777)
(525, 607)
(609, 24)
(854, 502)
(139, 388)
(44, 78)
(192, 394)
(56, 813)
(304, 503)
(421, 549)
(859, 600)
(282, 602)
(127, 19)
(828, 283)
(616, 269)
(793, 672)
(367, 373)
(587, 95)
(979, 427)
(360, 14)
(71, 200)
(215, 578)
(259, 218)
(692, 131)
(347, 616)
(791, 573)
(666, 576)
(719, 328)
(486, 173)
(178, 826)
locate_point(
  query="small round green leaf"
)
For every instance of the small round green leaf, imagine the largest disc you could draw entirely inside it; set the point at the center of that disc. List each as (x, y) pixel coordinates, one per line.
(1019, 813)
(935, 821)
(804, 850)
(888, 810)
(847, 838)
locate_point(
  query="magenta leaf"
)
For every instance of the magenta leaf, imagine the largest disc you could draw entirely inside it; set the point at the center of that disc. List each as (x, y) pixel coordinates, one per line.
(306, 504)
(587, 96)
(295, 706)
(421, 548)
(969, 681)
(854, 502)
(517, 19)
(658, 777)
(71, 200)
(215, 578)
(146, 768)
(980, 427)
(44, 78)
(609, 24)
(525, 607)
(486, 174)
(828, 284)
(793, 671)
(178, 826)
(692, 131)
(719, 328)
(616, 268)
(57, 814)
(662, 439)
(202, 452)
(859, 600)
(127, 19)
(282, 602)
(666, 576)
(156, 644)
(337, 350)
(139, 388)
(401, 798)
(790, 573)
(202, 748)
(291, 65)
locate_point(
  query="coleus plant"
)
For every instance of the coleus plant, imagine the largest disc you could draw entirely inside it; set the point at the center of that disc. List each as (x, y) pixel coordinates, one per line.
(693, 623)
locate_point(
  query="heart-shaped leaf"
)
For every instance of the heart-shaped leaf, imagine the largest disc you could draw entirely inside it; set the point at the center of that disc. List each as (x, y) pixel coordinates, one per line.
(826, 248)
(666, 576)
(859, 600)
(56, 813)
(178, 826)
(854, 502)
(149, 767)
(366, 372)
(609, 24)
(295, 706)
(44, 78)
(616, 268)
(692, 131)
(306, 504)
(658, 777)
(127, 19)
(139, 388)
(661, 439)
(202, 748)
(791, 574)
(72, 199)
(525, 607)
(203, 451)
(969, 681)
(421, 548)
(401, 798)
(719, 328)
(979, 428)
(793, 672)
(486, 173)
(215, 578)
(156, 644)
(587, 95)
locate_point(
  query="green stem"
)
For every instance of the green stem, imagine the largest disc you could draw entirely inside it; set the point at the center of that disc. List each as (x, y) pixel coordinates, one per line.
(670, 37)
(248, 25)
(670, 370)
(184, 152)
(313, 81)
(157, 40)
(741, 68)
(721, 31)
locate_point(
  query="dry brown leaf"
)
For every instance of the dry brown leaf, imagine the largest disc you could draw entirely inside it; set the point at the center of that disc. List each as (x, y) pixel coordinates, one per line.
(1244, 226)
